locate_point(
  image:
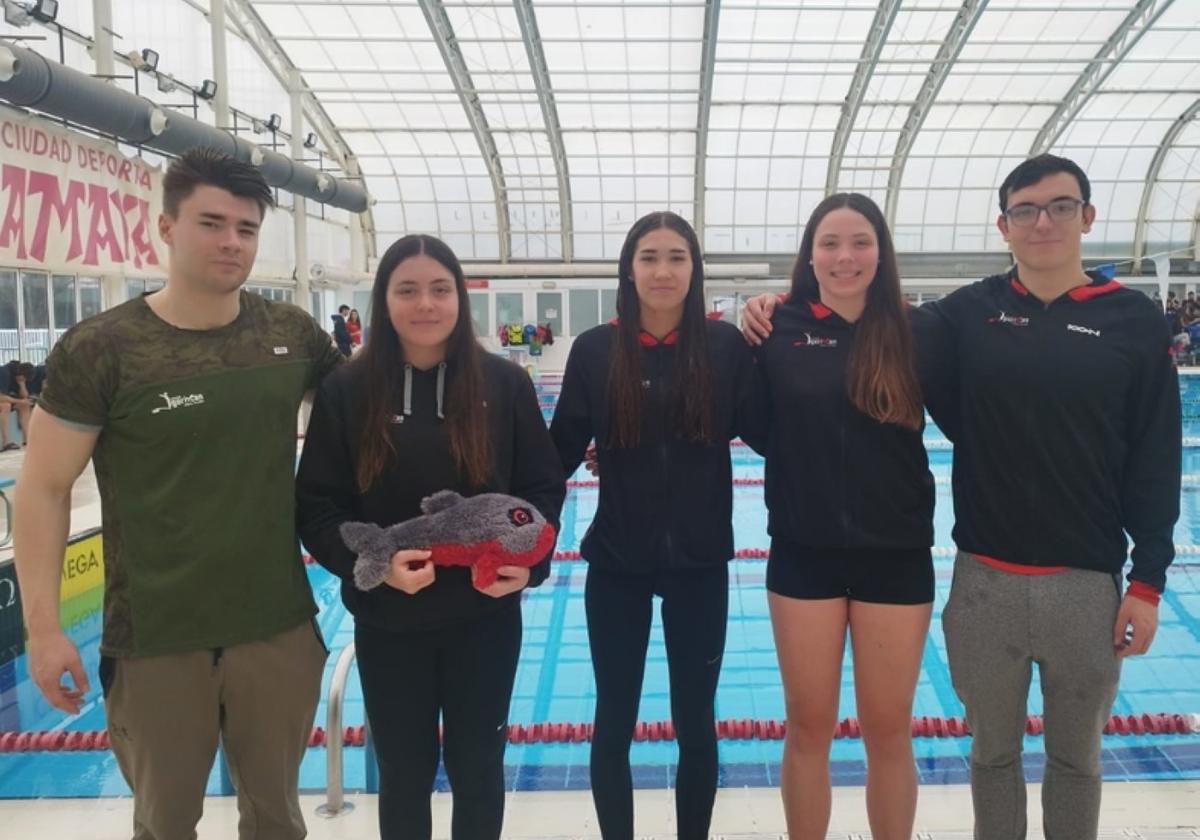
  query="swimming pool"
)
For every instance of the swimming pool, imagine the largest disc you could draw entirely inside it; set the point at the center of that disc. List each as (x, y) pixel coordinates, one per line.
(554, 681)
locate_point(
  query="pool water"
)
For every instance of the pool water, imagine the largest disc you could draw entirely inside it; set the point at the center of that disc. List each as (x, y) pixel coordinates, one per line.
(554, 681)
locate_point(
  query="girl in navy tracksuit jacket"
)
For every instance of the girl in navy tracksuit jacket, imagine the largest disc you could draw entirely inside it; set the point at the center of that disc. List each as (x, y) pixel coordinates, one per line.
(662, 390)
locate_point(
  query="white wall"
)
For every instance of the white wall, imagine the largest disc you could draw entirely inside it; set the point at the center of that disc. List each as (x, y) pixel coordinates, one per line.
(328, 244)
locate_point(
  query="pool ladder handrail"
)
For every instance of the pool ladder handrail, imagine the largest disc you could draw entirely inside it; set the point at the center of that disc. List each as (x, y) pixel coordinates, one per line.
(7, 484)
(335, 792)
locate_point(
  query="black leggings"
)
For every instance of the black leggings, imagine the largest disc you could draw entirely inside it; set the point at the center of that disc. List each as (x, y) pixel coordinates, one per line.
(695, 604)
(466, 673)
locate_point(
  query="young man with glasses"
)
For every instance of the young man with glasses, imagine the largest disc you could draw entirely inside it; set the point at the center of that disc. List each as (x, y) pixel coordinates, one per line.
(1063, 405)
(1057, 389)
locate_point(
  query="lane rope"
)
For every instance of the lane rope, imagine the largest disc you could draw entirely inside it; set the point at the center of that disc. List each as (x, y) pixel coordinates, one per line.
(744, 729)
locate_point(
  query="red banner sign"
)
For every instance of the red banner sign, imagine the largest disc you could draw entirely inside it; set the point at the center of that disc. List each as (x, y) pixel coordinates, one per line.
(70, 202)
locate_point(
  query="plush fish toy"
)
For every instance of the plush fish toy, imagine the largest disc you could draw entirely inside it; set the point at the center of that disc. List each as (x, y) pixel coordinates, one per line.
(485, 532)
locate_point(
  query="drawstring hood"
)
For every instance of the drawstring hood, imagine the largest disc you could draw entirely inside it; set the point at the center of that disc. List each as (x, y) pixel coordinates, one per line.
(441, 390)
(408, 390)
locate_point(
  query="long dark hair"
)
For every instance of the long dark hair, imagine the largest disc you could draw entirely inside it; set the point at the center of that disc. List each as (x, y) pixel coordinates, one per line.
(693, 392)
(881, 379)
(382, 360)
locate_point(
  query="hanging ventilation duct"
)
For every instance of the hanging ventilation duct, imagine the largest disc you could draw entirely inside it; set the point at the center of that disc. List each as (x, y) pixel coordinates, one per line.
(30, 80)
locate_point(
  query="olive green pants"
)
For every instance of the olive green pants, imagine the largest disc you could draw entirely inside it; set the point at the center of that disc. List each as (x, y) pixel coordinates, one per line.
(167, 713)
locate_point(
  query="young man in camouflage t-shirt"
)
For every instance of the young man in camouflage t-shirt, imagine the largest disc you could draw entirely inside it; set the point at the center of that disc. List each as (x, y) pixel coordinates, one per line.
(186, 401)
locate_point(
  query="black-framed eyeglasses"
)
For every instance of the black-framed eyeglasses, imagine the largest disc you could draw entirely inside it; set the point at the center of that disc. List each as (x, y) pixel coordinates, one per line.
(1058, 210)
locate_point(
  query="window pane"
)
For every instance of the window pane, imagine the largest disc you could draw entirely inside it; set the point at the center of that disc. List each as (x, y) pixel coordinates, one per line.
(64, 303)
(585, 309)
(608, 305)
(549, 310)
(134, 289)
(9, 341)
(89, 297)
(510, 308)
(479, 313)
(362, 302)
(34, 288)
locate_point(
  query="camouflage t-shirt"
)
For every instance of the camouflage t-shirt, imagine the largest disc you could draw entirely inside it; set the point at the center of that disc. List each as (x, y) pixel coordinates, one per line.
(195, 464)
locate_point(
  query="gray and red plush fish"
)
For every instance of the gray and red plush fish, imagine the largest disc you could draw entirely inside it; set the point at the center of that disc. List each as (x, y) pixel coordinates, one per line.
(484, 532)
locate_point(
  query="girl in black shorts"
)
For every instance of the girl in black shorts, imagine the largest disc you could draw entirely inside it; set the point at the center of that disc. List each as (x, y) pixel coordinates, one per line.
(851, 513)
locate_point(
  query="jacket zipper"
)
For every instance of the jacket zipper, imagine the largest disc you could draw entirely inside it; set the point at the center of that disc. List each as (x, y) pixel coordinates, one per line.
(664, 450)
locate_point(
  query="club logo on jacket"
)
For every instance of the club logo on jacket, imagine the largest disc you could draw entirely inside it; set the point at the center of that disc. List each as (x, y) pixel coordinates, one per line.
(1084, 330)
(397, 419)
(810, 340)
(184, 401)
(1005, 318)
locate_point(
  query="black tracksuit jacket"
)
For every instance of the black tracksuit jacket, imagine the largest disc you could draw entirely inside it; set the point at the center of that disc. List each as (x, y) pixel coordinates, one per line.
(1065, 422)
(666, 503)
(836, 478)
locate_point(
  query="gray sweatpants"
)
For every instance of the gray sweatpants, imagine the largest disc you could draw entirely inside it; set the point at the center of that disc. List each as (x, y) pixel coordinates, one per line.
(997, 624)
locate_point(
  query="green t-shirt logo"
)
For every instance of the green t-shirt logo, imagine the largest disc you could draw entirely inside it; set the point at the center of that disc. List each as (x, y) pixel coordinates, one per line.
(173, 403)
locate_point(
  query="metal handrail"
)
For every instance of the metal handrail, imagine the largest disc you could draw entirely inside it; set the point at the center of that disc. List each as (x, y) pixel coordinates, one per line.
(8, 520)
(335, 791)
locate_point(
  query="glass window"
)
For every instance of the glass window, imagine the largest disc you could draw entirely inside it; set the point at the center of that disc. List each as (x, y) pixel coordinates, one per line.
(64, 303)
(362, 302)
(134, 289)
(89, 297)
(549, 310)
(315, 303)
(479, 313)
(10, 347)
(608, 305)
(35, 288)
(510, 308)
(727, 305)
(585, 309)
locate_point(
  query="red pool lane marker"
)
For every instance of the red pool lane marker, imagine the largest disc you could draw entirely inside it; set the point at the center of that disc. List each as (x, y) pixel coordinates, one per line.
(760, 554)
(740, 554)
(560, 556)
(742, 729)
(737, 482)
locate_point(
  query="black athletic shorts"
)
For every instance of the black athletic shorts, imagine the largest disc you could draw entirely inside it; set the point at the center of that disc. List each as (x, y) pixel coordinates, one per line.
(878, 576)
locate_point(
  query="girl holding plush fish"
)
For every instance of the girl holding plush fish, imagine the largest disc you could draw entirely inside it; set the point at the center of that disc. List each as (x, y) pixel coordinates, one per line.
(426, 440)
(662, 390)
